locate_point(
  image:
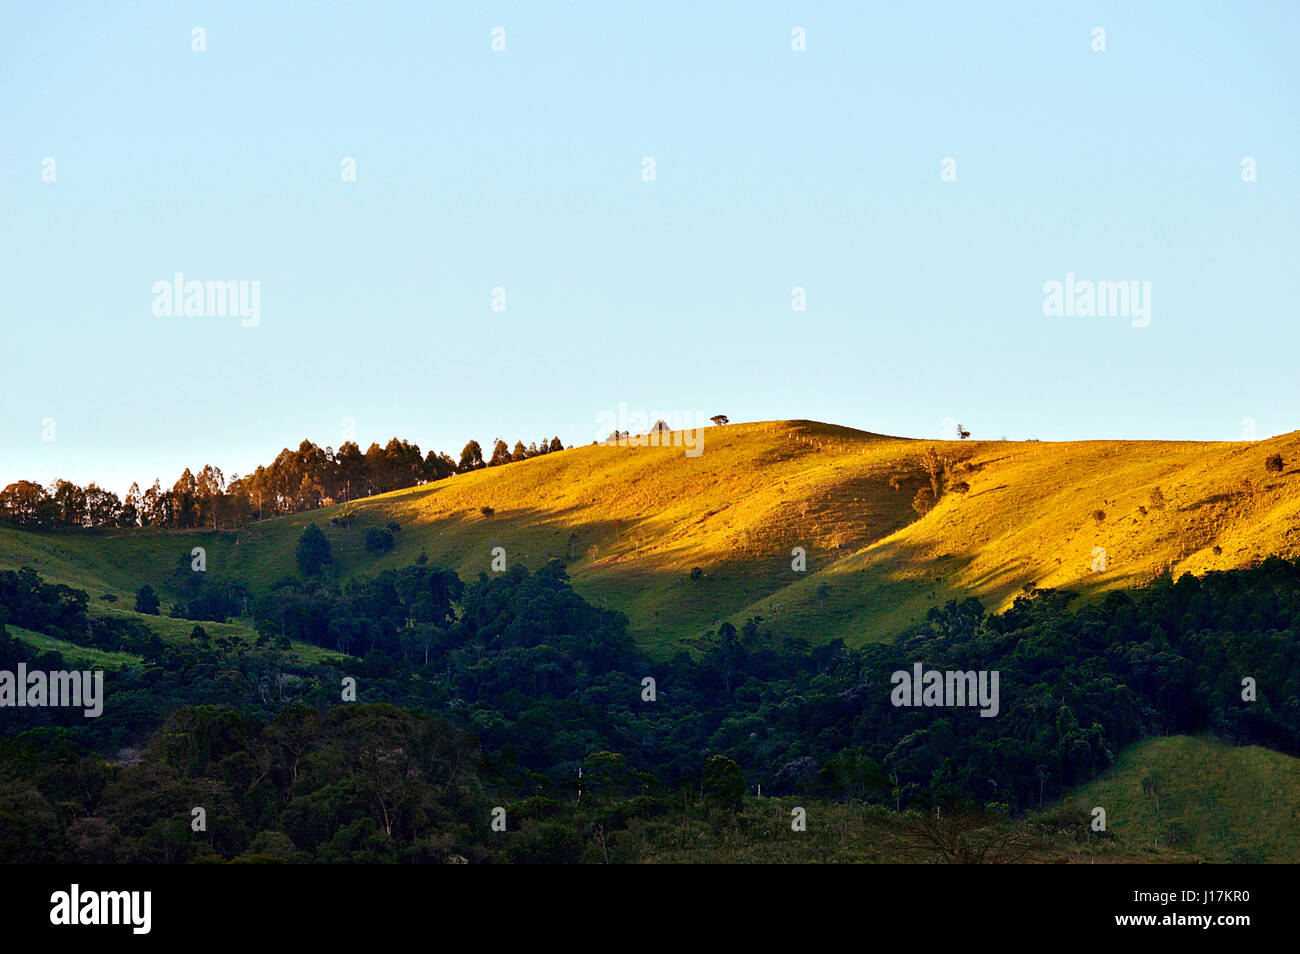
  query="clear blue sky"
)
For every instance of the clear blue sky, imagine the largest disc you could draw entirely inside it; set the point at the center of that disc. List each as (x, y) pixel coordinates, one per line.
(522, 169)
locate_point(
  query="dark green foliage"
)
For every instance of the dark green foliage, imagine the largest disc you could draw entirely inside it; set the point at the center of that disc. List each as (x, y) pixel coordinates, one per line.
(724, 785)
(313, 551)
(379, 541)
(146, 600)
(471, 458)
(537, 683)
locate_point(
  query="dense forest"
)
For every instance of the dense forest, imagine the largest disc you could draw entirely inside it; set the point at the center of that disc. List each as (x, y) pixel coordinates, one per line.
(305, 479)
(512, 691)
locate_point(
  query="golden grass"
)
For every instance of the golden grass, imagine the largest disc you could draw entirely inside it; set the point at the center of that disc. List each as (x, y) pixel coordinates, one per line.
(631, 522)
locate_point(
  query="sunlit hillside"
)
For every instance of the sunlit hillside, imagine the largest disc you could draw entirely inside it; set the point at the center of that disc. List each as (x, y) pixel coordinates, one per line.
(634, 522)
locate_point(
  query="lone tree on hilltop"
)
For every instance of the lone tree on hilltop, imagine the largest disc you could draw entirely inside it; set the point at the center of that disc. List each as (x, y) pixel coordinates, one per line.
(719, 419)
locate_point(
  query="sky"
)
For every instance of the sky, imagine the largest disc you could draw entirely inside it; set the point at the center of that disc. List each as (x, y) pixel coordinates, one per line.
(921, 171)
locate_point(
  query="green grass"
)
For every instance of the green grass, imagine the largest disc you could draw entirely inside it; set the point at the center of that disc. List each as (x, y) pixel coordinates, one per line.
(631, 523)
(1231, 800)
(79, 656)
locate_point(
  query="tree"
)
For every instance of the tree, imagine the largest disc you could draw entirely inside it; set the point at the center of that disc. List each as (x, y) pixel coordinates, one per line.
(146, 600)
(719, 419)
(438, 466)
(500, 454)
(471, 458)
(962, 432)
(934, 467)
(129, 515)
(1151, 786)
(210, 485)
(313, 550)
(349, 471)
(853, 774)
(724, 785)
(556, 445)
(957, 834)
(71, 501)
(378, 541)
(23, 503)
(520, 452)
(103, 508)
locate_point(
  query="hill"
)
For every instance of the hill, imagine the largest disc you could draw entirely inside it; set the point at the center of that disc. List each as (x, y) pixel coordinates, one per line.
(1232, 804)
(633, 522)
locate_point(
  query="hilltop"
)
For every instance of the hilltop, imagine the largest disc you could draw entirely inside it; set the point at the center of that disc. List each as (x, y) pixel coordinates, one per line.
(632, 523)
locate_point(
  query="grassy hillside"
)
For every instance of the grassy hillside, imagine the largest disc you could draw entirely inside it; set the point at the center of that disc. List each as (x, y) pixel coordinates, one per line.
(1236, 804)
(74, 655)
(632, 522)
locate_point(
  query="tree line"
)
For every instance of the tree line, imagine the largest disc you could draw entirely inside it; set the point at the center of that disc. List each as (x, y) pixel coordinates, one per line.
(305, 479)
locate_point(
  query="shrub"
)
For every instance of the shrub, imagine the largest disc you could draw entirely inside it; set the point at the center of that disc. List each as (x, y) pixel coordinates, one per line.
(1099, 515)
(378, 541)
(696, 573)
(1273, 464)
(486, 511)
(146, 600)
(313, 550)
(923, 502)
(723, 784)
(1178, 836)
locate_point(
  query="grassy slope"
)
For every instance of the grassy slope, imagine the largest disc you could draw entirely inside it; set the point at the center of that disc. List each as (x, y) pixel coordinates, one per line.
(1229, 799)
(74, 655)
(632, 522)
